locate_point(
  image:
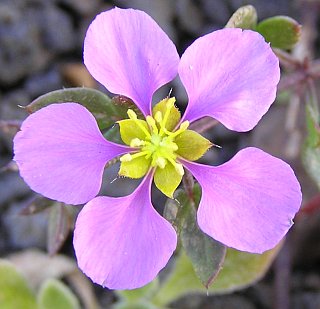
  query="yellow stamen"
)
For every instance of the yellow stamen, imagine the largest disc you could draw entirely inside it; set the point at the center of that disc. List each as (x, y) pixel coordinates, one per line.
(151, 122)
(129, 157)
(161, 162)
(136, 142)
(158, 117)
(169, 106)
(184, 126)
(133, 116)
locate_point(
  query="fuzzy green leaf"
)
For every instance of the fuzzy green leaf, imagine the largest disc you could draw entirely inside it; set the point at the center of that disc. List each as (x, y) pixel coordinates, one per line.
(106, 111)
(14, 290)
(132, 296)
(281, 31)
(59, 227)
(311, 147)
(206, 254)
(239, 271)
(54, 294)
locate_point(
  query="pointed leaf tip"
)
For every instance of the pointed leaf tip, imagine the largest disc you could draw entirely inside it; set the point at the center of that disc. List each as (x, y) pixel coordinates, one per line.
(206, 254)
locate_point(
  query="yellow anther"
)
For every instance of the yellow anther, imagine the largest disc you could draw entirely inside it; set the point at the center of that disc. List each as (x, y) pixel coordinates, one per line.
(179, 169)
(158, 116)
(184, 126)
(136, 142)
(151, 122)
(126, 158)
(132, 115)
(129, 157)
(163, 123)
(161, 162)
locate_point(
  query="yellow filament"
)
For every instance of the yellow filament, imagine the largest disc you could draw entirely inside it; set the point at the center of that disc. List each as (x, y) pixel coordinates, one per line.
(133, 116)
(129, 157)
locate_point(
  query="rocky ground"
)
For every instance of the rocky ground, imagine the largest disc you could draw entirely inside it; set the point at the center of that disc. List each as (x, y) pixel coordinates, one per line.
(41, 50)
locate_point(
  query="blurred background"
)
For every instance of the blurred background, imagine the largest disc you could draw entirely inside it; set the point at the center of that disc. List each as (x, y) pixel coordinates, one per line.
(41, 50)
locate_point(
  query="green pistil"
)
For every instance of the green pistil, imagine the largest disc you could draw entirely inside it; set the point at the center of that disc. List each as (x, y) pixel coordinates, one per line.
(158, 145)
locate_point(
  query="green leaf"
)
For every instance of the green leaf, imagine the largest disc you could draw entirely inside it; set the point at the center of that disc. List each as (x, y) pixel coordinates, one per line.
(240, 270)
(191, 145)
(14, 290)
(131, 296)
(107, 111)
(206, 254)
(59, 227)
(54, 294)
(244, 18)
(281, 31)
(142, 304)
(311, 147)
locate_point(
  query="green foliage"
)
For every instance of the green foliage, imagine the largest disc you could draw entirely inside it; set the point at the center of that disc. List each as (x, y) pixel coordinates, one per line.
(206, 254)
(107, 111)
(311, 148)
(59, 226)
(137, 298)
(14, 290)
(132, 296)
(245, 18)
(281, 31)
(54, 294)
(240, 270)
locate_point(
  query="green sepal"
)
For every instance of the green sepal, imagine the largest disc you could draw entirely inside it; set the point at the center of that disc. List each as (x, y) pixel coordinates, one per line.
(136, 168)
(104, 109)
(129, 129)
(55, 294)
(167, 179)
(281, 31)
(245, 18)
(174, 116)
(191, 145)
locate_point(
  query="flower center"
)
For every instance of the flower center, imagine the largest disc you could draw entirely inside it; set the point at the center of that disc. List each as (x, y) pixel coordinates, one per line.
(159, 142)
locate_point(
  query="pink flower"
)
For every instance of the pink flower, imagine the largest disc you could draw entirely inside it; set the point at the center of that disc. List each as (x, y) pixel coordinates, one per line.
(247, 203)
